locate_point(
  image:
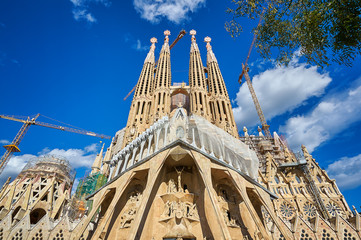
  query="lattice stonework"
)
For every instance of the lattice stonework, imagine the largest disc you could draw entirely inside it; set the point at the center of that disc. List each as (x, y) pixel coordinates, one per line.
(1, 233)
(56, 191)
(36, 192)
(347, 235)
(18, 235)
(305, 235)
(38, 235)
(326, 235)
(22, 190)
(59, 235)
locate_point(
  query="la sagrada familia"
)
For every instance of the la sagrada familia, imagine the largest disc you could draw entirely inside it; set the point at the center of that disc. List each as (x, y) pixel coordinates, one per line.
(179, 170)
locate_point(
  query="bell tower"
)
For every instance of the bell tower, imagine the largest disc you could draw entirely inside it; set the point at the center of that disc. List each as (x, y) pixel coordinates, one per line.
(221, 109)
(140, 111)
(197, 81)
(161, 89)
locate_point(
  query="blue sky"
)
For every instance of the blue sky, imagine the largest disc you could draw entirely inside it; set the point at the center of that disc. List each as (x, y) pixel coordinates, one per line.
(75, 61)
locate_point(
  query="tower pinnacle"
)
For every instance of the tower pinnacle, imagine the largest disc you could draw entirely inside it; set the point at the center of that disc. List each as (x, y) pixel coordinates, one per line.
(150, 57)
(194, 46)
(220, 105)
(193, 33)
(161, 91)
(98, 161)
(210, 55)
(140, 111)
(166, 34)
(197, 81)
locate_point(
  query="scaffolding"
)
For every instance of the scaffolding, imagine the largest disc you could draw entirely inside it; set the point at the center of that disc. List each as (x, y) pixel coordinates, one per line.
(89, 184)
(50, 164)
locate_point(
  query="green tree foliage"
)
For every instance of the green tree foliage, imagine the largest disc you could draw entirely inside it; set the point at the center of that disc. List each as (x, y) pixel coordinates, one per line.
(323, 30)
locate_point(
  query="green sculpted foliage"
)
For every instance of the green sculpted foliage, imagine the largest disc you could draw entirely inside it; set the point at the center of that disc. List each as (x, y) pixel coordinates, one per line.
(324, 31)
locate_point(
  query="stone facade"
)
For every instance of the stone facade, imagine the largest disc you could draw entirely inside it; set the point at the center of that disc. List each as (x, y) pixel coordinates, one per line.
(180, 170)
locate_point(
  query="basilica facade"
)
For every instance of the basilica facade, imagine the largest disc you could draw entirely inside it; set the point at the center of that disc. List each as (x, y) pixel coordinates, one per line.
(181, 170)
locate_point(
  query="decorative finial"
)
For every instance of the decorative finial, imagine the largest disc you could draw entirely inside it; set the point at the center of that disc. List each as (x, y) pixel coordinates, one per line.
(260, 131)
(245, 131)
(153, 40)
(166, 34)
(208, 40)
(193, 33)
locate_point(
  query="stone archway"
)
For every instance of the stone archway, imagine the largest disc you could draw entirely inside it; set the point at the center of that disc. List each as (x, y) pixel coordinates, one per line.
(36, 215)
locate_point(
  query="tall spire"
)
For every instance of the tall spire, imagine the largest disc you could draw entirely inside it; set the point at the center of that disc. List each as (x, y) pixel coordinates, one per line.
(146, 78)
(140, 111)
(220, 104)
(162, 81)
(98, 161)
(197, 81)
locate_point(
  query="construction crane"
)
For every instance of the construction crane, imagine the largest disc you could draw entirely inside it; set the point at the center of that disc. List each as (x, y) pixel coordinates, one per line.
(180, 35)
(245, 69)
(27, 122)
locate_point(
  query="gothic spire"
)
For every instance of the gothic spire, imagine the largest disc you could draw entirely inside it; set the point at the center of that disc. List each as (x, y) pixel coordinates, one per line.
(163, 72)
(220, 104)
(161, 90)
(98, 161)
(140, 110)
(146, 78)
(197, 81)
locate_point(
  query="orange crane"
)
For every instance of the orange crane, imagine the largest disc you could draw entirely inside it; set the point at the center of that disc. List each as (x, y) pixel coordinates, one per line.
(27, 122)
(245, 68)
(180, 35)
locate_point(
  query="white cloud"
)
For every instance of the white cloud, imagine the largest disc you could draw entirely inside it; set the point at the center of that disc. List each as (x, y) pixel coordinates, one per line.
(139, 47)
(346, 171)
(4, 142)
(81, 12)
(92, 148)
(174, 10)
(76, 157)
(135, 43)
(332, 115)
(279, 90)
(14, 166)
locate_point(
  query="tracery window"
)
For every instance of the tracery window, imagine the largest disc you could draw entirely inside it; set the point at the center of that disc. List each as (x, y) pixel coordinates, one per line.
(309, 209)
(333, 209)
(319, 178)
(277, 180)
(287, 210)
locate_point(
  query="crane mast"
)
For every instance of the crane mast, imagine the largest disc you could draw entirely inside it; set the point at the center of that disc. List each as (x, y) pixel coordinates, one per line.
(14, 145)
(265, 126)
